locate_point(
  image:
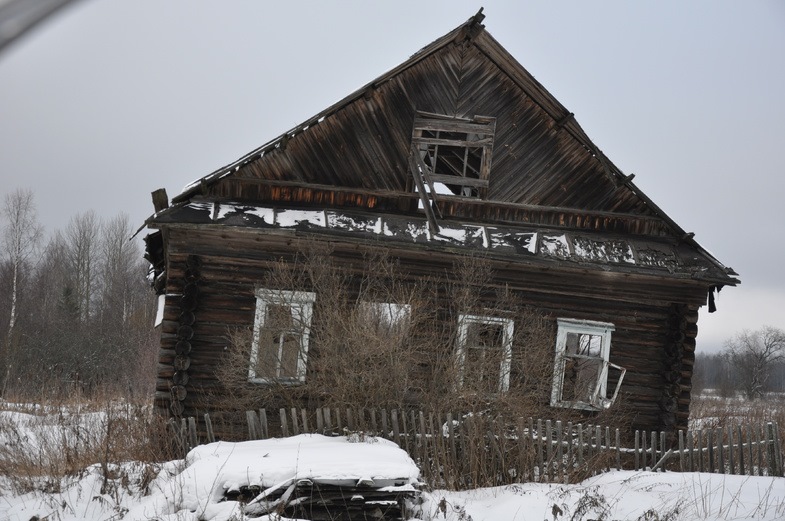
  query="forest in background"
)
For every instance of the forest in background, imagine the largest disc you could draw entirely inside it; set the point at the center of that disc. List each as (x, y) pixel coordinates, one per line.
(77, 311)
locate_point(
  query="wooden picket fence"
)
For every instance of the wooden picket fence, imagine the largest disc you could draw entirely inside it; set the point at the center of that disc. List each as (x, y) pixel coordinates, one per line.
(475, 450)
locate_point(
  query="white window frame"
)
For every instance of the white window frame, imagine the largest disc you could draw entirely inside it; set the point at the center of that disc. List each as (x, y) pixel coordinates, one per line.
(301, 305)
(464, 321)
(598, 399)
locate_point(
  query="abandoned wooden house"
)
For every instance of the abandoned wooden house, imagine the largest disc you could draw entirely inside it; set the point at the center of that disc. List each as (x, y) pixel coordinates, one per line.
(457, 151)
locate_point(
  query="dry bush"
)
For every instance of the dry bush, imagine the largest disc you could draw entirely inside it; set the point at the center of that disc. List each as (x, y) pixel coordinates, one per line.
(43, 444)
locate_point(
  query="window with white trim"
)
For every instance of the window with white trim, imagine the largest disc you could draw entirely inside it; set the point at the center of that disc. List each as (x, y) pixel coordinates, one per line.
(582, 371)
(282, 326)
(484, 352)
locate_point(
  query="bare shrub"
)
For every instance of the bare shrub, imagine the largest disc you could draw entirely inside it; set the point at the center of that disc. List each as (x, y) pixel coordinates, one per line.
(42, 444)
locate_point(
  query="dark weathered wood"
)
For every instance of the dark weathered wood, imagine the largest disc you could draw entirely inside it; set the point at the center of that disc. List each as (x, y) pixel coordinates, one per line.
(264, 431)
(539, 174)
(208, 425)
(731, 450)
(253, 425)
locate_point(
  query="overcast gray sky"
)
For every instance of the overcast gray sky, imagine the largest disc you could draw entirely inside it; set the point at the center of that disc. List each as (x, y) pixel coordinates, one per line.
(110, 100)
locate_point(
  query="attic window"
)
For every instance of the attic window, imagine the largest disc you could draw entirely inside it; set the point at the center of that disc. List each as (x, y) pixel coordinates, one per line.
(582, 372)
(452, 155)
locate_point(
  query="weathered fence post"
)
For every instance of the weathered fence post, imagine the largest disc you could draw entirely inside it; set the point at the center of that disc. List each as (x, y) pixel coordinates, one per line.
(250, 418)
(208, 425)
(681, 451)
(637, 450)
(731, 459)
(264, 433)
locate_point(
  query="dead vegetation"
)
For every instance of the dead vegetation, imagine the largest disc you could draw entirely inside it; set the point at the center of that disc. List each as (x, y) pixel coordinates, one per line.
(43, 444)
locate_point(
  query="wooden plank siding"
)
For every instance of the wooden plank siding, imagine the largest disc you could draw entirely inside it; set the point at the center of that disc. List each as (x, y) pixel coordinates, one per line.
(647, 312)
(559, 225)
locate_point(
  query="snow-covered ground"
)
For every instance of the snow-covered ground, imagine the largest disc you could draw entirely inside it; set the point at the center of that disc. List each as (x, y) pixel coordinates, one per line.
(193, 489)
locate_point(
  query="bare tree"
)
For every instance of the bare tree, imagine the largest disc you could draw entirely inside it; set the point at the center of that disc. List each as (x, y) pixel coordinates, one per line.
(82, 235)
(21, 236)
(118, 270)
(754, 354)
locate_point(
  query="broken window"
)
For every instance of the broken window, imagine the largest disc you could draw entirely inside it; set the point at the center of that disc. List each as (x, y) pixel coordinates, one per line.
(583, 378)
(280, 336)
(450, 155)
(484, 352)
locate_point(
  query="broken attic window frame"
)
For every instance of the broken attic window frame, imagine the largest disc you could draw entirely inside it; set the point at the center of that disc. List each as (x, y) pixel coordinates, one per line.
(581, 367)
(482, 340)
(455, 152)
(282, 326)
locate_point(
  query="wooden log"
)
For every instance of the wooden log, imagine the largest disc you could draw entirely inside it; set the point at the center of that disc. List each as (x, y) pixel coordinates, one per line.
(690, 451)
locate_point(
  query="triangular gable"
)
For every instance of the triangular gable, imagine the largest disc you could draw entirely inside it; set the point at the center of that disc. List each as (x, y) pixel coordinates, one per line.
(541, 156)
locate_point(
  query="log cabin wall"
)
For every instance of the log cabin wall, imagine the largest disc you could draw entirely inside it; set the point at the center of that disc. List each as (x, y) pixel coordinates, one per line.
(614, 256)
(655, 319)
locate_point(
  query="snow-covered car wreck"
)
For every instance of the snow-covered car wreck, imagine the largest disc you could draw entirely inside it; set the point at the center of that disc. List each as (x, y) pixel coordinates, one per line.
(456, 152)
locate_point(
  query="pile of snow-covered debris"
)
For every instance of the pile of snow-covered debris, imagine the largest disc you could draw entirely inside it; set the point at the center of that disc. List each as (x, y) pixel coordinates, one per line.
(309, 476)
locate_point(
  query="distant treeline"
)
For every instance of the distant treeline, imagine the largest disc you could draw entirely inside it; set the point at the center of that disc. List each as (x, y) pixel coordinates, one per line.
(719, 372)
(76, 310)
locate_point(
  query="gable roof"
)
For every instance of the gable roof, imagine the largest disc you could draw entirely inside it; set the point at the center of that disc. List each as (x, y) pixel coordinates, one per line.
(542, 158)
